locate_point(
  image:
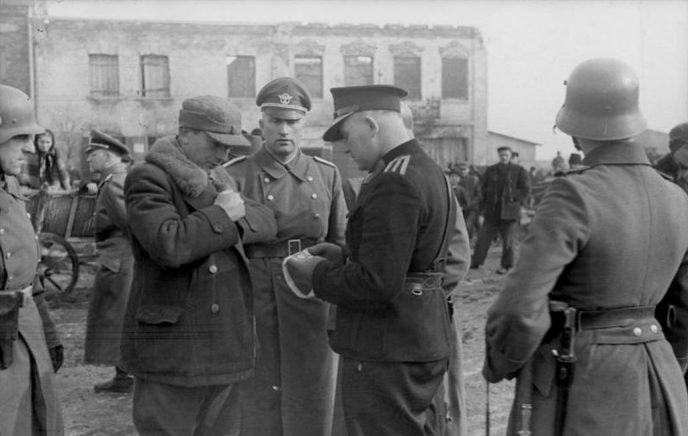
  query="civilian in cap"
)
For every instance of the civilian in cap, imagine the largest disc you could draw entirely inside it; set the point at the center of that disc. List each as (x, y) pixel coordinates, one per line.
(188, 334)
(30, 349)
(505, 189)
(292, 393)
(394, 356)
(110, 293)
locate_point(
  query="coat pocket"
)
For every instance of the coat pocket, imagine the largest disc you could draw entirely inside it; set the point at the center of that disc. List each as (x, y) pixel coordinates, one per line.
(159, 315)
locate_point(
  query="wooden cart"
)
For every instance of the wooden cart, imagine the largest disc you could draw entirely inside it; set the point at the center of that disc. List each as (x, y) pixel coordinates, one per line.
(63, 220)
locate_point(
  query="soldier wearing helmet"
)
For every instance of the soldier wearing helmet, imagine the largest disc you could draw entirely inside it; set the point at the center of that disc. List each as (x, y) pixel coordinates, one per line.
(576, 318)
(30, 351)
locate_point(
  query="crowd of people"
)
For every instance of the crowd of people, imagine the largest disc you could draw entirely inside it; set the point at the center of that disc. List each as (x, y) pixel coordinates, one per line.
(194, 307)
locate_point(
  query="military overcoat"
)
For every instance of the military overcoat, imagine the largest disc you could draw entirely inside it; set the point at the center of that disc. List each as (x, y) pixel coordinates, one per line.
(296, 369)
(110, 293)
(610, 236)
(22, 405)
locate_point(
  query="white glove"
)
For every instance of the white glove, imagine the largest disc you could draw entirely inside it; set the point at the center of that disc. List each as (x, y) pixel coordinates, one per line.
(232, 203)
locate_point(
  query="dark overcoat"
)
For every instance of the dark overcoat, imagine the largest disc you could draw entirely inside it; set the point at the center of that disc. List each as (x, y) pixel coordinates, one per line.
(110, 293)
(29, 403)
(295, 381)
(189, 319)
(610, 236)
(504, 200)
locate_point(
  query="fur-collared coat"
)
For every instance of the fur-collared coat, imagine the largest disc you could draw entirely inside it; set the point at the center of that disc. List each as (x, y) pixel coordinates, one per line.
(189, 320)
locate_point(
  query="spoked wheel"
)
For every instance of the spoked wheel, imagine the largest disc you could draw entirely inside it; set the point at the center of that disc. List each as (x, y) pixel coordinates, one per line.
(58, 269)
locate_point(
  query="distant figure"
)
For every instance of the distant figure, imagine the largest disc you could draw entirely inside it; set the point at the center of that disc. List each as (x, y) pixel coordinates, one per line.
(515, 158)
(558, 163)
(670, 164)
(468, 193)
(47, 166)
(575, 161)
(505, 189)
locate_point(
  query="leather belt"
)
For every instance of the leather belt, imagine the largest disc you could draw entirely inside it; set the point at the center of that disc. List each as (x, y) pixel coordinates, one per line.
(279, 249)
(604, 318)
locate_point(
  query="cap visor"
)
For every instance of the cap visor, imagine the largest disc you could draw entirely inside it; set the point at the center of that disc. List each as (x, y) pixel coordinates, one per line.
(284, 113)
(92, 147)
(332, 133)
(229, 140)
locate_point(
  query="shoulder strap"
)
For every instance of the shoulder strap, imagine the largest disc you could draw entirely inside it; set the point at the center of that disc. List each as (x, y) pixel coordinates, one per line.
(441, 256)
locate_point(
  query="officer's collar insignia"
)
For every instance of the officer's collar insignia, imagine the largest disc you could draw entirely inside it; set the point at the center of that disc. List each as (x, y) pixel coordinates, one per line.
(285, 98)
(398, 164)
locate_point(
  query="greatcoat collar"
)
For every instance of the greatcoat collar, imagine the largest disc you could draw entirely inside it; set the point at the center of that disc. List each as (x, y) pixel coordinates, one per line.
(298, 166)
(617, 153)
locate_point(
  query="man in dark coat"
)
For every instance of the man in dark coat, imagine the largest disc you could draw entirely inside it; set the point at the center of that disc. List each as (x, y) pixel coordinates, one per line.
(393, 326)
(110, 293)
(506, 187)
(30, 351)
(189, 328)
(293, 391)
(575, 320)
(468, 193)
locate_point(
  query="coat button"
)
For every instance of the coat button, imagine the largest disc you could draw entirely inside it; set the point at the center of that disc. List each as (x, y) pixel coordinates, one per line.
(309, 178)
(212, 269)
(654, 328)
(214, 308)
(637, 331)
(276, 388)
(8, 255)
(316, 216)
(314, 196)
(10, 277)
(217, 228)
(271, 197)
(2, 231)
(266, 180)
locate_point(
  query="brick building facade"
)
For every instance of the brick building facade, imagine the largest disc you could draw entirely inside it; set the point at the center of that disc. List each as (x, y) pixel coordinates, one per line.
(129, 77)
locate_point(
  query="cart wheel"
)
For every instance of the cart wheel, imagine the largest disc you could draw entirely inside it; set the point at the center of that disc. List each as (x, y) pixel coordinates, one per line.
(58, 269)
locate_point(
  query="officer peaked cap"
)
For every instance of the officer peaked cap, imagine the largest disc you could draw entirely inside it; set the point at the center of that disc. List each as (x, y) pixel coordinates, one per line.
(284, 98)
(351, 99)
(102, 141)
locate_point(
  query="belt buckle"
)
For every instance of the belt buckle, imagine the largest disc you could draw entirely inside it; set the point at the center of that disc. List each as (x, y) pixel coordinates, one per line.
(293, 246)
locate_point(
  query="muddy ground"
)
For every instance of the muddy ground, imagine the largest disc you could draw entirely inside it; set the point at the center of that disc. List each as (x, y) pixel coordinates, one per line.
(88, 413)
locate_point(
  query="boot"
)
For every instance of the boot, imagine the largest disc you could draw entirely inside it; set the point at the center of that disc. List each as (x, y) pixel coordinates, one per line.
(121, 383)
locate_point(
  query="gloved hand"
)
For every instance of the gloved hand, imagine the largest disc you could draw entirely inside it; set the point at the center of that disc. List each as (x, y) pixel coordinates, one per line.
(329, 251)
(57, 356)
(221, 179)
(301, 270)
(232, 203)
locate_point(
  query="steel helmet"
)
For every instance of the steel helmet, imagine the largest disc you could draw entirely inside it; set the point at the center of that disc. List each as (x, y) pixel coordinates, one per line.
(17, 116)
(601, 102)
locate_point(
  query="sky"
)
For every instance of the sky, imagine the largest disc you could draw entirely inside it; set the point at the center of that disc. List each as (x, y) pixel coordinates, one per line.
(531, 45)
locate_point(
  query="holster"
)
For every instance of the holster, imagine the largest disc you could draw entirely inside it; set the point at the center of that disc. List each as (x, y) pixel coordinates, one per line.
(10, 302)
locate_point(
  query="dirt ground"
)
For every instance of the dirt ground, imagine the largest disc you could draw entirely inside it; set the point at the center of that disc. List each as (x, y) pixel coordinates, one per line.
(88, 413)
